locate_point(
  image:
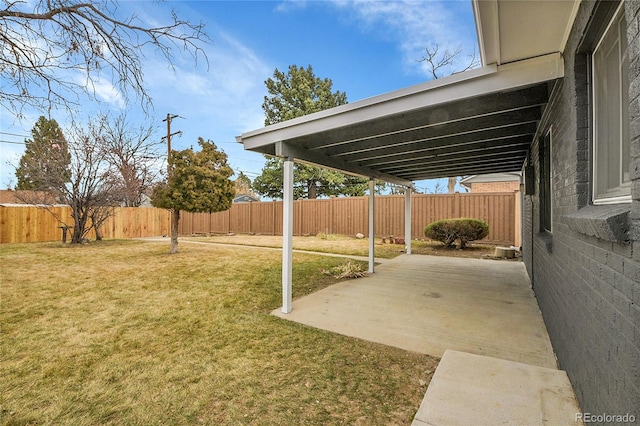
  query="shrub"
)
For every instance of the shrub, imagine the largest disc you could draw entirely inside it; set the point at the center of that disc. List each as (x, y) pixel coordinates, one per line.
(346, 271)
(464, 230)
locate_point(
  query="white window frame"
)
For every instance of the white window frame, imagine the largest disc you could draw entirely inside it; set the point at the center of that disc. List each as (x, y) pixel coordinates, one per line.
(548, 134)
(622, 193)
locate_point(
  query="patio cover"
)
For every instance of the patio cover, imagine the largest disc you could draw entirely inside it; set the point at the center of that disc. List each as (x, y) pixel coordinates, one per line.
(476, 122)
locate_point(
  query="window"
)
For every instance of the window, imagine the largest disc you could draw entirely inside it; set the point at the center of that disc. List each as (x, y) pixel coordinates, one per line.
(610, 64)
(545, 182)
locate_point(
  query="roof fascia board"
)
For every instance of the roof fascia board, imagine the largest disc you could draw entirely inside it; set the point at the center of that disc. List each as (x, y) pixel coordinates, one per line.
(394, 96)
(289, 151)
(469, 84)
(488, 30)
(492, 177)
(567, 30)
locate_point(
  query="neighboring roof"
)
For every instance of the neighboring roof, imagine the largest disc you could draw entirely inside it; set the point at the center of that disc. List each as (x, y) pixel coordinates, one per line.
(9, 196)
(32, 205)
(491, 177)
(476, 122)
(243, 198)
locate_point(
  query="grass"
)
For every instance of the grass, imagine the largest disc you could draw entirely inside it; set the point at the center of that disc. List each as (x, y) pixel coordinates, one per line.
(341, 244)
(322, 243)
(120, 332)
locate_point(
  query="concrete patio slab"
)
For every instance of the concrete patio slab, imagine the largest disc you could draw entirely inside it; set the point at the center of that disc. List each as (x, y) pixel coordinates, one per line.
(429, 304)
(471, 389)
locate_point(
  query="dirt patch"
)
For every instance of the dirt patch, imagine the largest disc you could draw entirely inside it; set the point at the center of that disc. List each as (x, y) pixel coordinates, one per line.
(434, 248)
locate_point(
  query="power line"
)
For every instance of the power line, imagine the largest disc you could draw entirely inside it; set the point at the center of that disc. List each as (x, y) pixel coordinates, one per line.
(14, 134)
(12, 142)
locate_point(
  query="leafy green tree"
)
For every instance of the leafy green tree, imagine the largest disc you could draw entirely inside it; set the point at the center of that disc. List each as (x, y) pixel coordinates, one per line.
(197, 182)
(309, 182)
(44, 166)
(294, 94)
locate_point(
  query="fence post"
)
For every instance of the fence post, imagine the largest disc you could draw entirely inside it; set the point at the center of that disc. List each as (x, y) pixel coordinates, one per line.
(456, 204)
(517, 216)
(331, 202)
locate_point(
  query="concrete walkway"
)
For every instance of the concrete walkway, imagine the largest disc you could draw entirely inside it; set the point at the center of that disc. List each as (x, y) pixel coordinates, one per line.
(469, 389)
(429, 304)
(480, 316)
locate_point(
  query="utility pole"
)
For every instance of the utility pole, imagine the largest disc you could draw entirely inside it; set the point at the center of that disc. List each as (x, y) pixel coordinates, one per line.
(175, 214)
(168, 137)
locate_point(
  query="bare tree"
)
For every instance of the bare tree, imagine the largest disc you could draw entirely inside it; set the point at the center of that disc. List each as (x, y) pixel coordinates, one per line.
(90, 192)
(135, 155)
(439, 62)
(437, 189)
(451, 184)
(90, 189)
(54, 50)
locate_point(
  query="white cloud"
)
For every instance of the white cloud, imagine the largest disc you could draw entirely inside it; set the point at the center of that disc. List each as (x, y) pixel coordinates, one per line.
(230, 90)
(417, 24)
(106, 92)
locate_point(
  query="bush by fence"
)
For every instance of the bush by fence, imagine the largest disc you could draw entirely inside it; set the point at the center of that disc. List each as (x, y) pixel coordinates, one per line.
(463, 230)
(332, 216)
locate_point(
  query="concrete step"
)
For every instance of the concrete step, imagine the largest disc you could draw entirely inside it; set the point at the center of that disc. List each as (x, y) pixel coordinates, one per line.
(468, 389)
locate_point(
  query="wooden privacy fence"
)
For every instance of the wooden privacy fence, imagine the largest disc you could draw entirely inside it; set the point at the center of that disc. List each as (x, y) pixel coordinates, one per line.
(24, 223)
(350, 215)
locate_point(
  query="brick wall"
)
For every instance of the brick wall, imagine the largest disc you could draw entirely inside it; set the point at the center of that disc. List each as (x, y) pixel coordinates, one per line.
(587, 285)
(495, 186)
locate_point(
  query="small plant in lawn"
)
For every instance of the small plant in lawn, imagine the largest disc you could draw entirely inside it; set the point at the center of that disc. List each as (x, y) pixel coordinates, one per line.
(463, 230)
(346, 271)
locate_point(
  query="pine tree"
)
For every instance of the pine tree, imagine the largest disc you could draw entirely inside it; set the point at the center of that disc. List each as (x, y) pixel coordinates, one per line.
(294, 94)
(44, 165)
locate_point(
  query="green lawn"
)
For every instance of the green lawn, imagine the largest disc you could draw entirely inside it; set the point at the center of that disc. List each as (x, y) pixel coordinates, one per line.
(120, 332)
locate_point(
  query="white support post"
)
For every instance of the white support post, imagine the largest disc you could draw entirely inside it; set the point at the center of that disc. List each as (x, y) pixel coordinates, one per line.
(287, 235)
(372, 223)
(407, 218)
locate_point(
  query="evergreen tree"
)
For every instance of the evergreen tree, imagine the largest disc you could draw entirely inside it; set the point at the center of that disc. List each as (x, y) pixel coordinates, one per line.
(294, 94)
(44, 166)
(309, 182)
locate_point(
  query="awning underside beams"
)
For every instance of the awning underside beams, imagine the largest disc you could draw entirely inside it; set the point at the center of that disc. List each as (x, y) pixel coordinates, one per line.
(484, 134)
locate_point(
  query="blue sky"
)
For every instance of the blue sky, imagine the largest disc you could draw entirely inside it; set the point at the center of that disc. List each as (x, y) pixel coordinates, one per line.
(365, 47)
